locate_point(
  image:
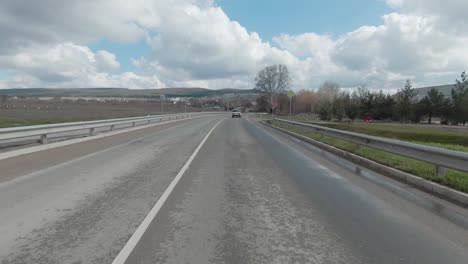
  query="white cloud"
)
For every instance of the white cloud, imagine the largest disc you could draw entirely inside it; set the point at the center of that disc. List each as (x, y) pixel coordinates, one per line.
(449, 16)
(394, 3)
(26, 23)
(432, 7)
(214, 46)
(406, 46)
(106, 61)
(194, 43)
(59, 63)
(69, 65)
(307, 45)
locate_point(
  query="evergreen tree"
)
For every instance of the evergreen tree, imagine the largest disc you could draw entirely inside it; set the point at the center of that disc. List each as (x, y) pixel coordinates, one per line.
(460, 100)
(405, 101)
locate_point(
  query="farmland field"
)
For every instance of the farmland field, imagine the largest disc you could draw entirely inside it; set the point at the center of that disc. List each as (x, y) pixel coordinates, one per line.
(23, 112)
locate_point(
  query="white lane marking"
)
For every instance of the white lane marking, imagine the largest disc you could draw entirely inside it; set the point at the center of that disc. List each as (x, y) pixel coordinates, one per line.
(36, 173)
(135, 238)
(29, 150)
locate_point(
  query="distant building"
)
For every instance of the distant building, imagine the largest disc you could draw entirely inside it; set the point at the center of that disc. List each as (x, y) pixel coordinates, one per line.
(444, 89)
(45, 98)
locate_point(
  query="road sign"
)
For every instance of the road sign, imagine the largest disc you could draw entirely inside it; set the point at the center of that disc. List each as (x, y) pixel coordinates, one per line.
(291, 94)
(163, 97)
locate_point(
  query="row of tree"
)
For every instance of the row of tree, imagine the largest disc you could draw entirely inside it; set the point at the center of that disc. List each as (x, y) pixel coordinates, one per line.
(329, 102)
(403, 106)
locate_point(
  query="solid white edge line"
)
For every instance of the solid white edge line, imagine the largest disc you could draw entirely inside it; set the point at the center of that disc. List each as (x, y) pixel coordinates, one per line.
(135, 238)
(29, 150)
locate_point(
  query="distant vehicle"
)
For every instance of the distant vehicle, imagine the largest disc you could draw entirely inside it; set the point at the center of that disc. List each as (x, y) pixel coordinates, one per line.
(236, 113)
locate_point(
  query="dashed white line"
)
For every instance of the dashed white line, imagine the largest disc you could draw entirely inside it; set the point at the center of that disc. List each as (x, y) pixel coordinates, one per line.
(133, 241)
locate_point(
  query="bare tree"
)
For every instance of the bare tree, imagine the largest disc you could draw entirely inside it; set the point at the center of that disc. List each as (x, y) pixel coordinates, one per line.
(271, 81)
(328, 91)
(306, 101)
(261, 104)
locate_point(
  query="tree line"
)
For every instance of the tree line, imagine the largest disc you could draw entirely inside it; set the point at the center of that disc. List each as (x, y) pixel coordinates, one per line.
(330, 102)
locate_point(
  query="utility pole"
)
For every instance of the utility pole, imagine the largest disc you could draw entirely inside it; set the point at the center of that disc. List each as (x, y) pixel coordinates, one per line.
(162, 103)
(290, 105)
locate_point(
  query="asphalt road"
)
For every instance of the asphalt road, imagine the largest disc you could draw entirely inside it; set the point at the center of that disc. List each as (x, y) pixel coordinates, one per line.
(250, 195)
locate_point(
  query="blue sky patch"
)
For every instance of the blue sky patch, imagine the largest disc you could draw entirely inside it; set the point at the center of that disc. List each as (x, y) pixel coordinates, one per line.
(123, 52)
(335, 17)
(4, 75)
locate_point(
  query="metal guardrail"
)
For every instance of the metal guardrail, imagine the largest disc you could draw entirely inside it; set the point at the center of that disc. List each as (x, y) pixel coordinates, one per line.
(43, 132)
(441, 158)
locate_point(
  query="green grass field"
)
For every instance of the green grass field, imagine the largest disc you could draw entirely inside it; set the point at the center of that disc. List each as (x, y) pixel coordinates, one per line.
(427, 134)
(441, 137)
(454, 179)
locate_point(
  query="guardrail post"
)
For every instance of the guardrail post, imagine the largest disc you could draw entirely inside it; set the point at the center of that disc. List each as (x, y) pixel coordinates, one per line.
(160, 119)
(44, 139)
(439, 170)
(91, 131)
(112, 128)
(149, 121)
(133, 124)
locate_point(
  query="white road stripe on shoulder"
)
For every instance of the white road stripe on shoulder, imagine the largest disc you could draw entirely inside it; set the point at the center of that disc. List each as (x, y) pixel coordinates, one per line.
(29, 150)
(135, 238)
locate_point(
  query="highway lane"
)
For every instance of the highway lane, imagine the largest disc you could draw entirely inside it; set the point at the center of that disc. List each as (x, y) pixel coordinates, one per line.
(24, 142)
(80, 203)
(253, 195)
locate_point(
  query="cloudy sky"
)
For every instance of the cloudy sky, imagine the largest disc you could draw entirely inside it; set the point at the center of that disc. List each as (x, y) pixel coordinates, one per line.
(223, 43)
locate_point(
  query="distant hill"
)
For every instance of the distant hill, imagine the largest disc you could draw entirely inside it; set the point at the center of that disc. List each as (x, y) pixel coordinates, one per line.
(119, 92)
